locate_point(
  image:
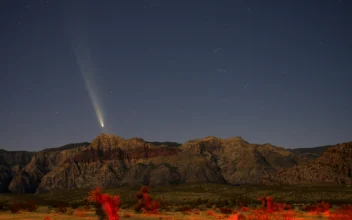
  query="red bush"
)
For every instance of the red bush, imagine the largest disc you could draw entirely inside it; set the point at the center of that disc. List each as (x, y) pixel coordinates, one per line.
(109, 203)
(145, 203)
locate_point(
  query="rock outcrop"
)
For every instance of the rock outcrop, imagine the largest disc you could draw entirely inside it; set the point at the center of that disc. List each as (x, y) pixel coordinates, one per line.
(11, 162)
(239, 161)
(331, 167)
(27, 179)
(111, 161)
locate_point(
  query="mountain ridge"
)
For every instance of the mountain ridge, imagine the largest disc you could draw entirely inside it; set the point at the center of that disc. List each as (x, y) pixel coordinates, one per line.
(111, 161)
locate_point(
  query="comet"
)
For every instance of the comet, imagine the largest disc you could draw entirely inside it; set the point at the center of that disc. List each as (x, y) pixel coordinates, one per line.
(82, 53)
(87, 70)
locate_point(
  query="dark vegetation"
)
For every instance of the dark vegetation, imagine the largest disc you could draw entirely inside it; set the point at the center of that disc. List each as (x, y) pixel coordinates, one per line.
(184, 197)
(145, 203)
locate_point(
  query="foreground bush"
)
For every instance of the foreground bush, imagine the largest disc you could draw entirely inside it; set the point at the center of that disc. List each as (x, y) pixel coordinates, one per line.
(3, 205)
(109, 204)
(30, 206)
(145, 203)
(61, 207)
(15, 207)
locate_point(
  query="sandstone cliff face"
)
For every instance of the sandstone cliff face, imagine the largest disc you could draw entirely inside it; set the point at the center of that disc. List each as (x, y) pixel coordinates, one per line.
(27, 179)
(111, 161)
(11, 162)
(5, 178)
(239, 161)
(333, 166)
(13, 158)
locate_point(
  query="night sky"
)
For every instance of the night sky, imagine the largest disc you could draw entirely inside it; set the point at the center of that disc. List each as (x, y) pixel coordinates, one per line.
(268, 71)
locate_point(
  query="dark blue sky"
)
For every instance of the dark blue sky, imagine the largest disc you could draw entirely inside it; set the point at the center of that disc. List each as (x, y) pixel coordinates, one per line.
(269, 71)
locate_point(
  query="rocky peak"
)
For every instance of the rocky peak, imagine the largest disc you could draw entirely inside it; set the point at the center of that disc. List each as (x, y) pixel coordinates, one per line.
(106, 141)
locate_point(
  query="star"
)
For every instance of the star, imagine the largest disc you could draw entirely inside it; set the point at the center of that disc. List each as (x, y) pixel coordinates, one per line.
(110, 90)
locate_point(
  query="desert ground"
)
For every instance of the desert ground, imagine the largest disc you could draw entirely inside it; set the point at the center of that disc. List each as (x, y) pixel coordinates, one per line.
(196, 201)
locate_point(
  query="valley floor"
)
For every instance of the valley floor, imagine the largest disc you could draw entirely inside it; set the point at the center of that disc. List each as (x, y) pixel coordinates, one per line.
(189, 202)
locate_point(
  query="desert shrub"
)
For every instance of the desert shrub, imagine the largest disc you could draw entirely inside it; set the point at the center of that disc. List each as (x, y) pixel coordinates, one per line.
(225, 210)
(86, 205)
(3, 205)
(15, 207)
(108, 204)
(241, 202)
(70, 211)
(145, 203)
(184, 208)
(144, 189)
(209, 205)
(221, 203)
(95, 196)
(320, 207)
(99, 212)
(43, 209)
(210, 213)
(30, 206)
(61, 207)
(74, 205)
(239, 217)
(200, 201)
(196, 212)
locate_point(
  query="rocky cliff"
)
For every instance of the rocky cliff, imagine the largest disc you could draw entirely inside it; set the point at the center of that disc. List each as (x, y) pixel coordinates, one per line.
(26, 179)
(10, 164)
(333, 166)
(111, 161)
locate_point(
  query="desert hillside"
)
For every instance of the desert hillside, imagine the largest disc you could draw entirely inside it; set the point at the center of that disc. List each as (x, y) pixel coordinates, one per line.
(333, 166)
(111, 161)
